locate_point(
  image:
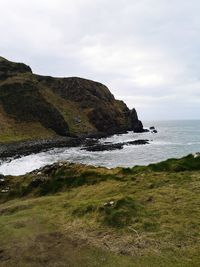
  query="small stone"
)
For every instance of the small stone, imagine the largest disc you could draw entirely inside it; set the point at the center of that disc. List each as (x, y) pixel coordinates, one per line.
(196, 155)
(5, 190)
(77, 120)
(108, 204)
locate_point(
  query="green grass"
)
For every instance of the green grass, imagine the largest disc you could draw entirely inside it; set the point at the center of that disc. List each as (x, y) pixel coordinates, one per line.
(63, 216)
(24, 132)
(12, 131)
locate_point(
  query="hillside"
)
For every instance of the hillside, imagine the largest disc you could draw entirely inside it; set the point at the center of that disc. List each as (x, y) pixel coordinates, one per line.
(34, 106)
(75, 215)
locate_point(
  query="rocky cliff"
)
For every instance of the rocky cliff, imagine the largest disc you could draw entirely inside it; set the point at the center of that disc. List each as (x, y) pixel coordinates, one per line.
(34, 106)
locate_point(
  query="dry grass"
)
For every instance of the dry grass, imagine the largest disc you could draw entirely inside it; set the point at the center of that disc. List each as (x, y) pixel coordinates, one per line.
(63, 220)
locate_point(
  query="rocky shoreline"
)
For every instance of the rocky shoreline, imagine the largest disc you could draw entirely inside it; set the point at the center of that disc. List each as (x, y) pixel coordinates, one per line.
(54, 112)
(24, 148)
(110, 146)
(89, 143)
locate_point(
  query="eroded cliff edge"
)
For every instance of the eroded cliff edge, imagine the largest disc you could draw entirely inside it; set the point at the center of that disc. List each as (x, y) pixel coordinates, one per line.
(35, 107)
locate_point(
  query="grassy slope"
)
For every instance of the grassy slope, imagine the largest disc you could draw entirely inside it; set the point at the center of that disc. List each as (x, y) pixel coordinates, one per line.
(70, 111)
(12, 130)
(57, 217)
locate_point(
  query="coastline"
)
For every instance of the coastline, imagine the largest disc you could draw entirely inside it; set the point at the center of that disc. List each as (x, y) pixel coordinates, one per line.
(24, 148)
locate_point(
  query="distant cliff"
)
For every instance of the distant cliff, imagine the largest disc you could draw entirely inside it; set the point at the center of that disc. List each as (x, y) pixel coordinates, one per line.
(34, 106)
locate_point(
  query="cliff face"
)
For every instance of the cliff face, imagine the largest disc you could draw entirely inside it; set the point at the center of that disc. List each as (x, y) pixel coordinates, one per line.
(34, 106)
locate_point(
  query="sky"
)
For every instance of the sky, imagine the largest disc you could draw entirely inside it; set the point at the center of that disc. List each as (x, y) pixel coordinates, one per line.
(146, 51)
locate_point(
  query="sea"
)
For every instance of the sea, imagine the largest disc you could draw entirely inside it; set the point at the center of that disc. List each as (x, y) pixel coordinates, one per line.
(174, 139)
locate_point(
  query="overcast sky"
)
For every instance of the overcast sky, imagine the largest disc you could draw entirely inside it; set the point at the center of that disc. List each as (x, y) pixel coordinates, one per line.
(146, 51)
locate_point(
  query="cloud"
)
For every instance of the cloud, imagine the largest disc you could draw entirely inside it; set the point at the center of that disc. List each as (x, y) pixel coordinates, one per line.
(146, 51)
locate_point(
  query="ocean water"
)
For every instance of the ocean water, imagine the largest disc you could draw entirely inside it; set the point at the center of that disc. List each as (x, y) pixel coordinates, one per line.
(173, 140)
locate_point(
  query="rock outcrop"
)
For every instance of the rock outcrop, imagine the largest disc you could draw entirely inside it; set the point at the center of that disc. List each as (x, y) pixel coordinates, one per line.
(33, 106)
(136, 124)
(110, 146)
(9, 69)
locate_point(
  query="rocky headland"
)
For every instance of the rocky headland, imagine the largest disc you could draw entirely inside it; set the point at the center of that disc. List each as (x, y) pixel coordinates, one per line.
(39, 112)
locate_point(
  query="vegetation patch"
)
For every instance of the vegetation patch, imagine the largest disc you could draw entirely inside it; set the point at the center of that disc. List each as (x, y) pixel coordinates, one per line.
(188, 163)
(120, 213)
(149, 216)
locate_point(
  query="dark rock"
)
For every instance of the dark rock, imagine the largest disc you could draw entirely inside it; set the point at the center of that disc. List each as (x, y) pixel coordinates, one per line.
(136, 125)
(104, 112)
(29, 147)
(153, 129)
(138, 142)
(38, 181)
(110, 146)
(90, 142)
(102, 147)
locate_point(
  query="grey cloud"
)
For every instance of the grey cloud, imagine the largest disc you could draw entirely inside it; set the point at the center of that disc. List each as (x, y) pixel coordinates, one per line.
(146, 51)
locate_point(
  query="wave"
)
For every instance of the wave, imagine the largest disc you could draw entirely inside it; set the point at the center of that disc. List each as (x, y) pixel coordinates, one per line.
(165, 144)
(193, 143)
